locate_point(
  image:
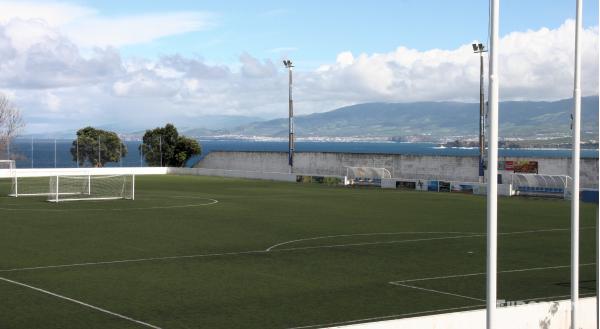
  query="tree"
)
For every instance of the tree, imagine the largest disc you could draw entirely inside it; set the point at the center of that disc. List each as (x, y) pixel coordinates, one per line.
(11, 122)
(97, 147)
(185, 149)
(165, 147)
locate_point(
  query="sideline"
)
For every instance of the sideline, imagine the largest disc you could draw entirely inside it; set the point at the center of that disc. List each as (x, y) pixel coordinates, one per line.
(145, 324)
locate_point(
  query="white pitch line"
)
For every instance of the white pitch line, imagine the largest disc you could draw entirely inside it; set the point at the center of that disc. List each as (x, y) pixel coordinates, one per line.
(484, 273)
(439, 292)
(222, 254)
(212, 201)
(145, 324)
(361, 234)
(135, 260)
(470, 234)
(374, 243)
(405, 315)
(395, 316)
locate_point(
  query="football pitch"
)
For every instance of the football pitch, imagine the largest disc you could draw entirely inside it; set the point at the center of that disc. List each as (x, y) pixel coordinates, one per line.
(203, 252)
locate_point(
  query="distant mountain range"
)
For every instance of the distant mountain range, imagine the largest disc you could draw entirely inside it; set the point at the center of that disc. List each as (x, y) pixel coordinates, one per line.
(435, 119)
(432, 121)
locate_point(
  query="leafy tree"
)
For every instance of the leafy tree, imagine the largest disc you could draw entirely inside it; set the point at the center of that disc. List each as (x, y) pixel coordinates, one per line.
(165, 147)
(97, 147)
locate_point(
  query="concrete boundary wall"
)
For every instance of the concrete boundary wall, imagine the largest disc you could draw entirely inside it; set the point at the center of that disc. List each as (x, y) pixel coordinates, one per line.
(274, 176)
(425, 167)
(43, 172)
(543, 315)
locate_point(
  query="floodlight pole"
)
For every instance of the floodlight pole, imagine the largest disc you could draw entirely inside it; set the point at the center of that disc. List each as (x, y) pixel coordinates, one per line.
(289, 66)
(492, 186)
(55, 153)
(575, 173)
(31, 151)
(480, 49)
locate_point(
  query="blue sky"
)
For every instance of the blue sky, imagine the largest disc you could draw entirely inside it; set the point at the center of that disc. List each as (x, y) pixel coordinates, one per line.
(313, 32)
(68, 63)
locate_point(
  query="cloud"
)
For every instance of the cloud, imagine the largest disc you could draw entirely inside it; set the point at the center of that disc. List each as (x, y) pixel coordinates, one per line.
(53, 13)
(87, 28)
(135, 29)
(541, 70)
(33, 55)
(57, 87)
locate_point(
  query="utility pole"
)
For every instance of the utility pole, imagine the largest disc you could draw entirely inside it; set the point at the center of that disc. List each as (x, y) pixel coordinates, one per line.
(480, 49)
(288, 64)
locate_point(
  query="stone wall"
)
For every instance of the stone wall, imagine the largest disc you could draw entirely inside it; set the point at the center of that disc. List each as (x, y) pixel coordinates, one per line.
(451, 168)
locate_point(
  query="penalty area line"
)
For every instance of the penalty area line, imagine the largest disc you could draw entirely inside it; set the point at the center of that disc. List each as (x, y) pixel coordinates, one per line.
(142, 323)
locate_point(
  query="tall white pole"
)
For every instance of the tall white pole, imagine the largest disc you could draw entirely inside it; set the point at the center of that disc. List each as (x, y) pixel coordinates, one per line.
(31, 151)
(291, 123)
(55, 153)
(575, 173)
(492, 188)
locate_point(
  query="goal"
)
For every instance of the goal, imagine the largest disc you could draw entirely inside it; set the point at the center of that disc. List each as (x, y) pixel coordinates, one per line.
(91, 187)
(366, 175)
(7, 165)
(7, 170)
(541, 185)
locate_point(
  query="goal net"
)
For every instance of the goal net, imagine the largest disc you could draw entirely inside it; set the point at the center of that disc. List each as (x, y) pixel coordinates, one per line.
(7, 171)
(366, 175)
(91, 187)
(541, 185)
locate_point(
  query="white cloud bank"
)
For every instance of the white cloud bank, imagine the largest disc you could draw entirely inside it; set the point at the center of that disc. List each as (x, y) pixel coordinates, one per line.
(87, 28)
(42, 66)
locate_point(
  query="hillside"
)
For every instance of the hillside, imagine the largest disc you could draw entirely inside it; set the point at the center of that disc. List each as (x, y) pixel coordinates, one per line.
(439, 119)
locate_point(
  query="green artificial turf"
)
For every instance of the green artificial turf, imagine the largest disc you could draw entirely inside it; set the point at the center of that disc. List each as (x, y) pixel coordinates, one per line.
(273, 255)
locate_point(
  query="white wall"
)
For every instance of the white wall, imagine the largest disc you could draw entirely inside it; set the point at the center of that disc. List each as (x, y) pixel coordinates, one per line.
(42, 172)
(545, 315)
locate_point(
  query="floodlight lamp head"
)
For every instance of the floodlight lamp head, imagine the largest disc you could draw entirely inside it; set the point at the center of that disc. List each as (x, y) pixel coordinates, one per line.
(481, 46)
(287, 63)
(474, 47)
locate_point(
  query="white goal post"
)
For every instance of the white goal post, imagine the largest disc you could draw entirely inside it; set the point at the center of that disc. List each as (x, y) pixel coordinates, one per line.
(366, 175)
(91, 187)
(541, 185)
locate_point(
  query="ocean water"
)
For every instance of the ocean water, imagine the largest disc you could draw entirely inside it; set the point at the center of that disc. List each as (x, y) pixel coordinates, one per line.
(48, 154)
